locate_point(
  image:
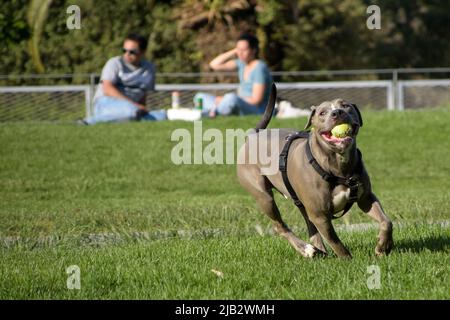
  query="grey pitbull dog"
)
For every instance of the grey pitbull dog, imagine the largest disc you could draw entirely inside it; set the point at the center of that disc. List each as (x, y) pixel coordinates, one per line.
(321, 199)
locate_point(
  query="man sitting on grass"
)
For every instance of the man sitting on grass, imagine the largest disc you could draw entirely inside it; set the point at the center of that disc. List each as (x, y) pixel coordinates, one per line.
(123, 85)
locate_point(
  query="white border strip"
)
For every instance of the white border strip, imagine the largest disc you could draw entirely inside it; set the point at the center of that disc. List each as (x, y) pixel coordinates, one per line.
(195, 87)
(110, 238)
(280, 85)
(333, 84)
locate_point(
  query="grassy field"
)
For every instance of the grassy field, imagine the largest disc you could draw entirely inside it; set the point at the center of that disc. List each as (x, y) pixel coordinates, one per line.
(108, 199)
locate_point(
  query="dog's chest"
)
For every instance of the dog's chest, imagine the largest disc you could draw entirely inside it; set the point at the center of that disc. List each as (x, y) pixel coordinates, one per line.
(340, 197)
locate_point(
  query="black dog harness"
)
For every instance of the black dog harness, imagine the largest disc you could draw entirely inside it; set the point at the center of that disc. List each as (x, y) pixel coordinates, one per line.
(351, 182)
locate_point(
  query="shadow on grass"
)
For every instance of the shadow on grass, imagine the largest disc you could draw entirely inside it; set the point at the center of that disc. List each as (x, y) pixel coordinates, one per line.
(432, 243)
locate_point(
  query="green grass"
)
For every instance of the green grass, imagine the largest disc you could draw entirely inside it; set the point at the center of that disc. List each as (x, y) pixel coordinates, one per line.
(108, 199)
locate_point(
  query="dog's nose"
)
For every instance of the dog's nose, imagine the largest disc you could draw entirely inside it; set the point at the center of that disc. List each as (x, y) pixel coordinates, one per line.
(336, 113)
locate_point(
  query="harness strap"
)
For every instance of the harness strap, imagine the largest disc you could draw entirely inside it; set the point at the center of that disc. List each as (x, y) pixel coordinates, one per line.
(351, 182)
(283, 164)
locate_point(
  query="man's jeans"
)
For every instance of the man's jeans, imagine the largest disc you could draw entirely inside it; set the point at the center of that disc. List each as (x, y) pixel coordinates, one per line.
(109, 109)
(230, 104)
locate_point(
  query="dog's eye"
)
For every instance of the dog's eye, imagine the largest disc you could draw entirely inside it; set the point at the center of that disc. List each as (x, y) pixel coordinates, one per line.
(322, 113)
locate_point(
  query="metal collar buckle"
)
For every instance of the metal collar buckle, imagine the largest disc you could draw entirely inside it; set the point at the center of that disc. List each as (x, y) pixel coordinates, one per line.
(352, 182)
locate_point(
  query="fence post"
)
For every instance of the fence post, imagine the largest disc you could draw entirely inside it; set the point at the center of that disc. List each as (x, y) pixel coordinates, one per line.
(395, 87)
(88, 95)
(390, 96)
(401, 96)
(91, 92)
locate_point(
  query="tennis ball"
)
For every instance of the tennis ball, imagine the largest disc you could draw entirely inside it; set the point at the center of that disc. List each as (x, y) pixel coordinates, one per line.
(341, 131)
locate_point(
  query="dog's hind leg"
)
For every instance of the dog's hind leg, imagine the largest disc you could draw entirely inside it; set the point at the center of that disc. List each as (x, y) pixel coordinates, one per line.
(314, 235)
(260, 188)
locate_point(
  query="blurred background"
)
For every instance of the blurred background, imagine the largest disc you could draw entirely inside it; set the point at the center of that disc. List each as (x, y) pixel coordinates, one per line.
(185, 35)
(301, 40)
(110, 200)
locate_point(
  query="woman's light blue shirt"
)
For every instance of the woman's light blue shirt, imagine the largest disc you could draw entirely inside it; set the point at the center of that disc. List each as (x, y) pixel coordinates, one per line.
(259, 75)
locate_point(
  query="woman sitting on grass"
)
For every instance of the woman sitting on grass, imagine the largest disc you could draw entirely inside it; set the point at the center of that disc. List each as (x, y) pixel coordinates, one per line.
(254, 81)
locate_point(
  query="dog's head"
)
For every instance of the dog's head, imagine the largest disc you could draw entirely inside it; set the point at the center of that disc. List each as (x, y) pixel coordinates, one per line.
(330, 114)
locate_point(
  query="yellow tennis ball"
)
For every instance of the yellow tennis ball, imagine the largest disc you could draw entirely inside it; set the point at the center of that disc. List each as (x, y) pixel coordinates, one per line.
(341, 131)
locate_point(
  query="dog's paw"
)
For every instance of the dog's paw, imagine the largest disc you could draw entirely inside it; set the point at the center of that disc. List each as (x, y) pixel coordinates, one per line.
(313, 252)
(310, 251)
(384, 245)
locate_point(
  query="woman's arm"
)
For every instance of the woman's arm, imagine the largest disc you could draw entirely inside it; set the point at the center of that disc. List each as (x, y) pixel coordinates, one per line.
(257, 96)
(223, 61)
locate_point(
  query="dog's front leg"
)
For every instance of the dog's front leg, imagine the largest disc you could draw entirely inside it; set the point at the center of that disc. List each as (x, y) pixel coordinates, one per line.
(326, 229)
(372, 206)
(314, 235)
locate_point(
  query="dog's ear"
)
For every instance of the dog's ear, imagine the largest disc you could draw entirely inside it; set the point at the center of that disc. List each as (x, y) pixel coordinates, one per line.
(313, 111)
(359, 114)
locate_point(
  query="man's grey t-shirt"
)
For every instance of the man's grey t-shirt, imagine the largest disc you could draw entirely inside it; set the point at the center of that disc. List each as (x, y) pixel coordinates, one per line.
(130, 80)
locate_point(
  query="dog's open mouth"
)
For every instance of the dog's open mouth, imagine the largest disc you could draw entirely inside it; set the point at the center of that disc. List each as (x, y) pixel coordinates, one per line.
(342, 138)
(327, 136)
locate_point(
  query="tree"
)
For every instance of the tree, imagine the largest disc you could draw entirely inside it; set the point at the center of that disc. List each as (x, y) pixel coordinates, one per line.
(414, 34)
(13, 29)
(37, 16)
(324, 34)
(185, 34)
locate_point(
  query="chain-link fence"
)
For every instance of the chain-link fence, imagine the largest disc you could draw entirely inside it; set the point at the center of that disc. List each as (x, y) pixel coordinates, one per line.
(367, 94)
(44, 103)
(53, 98)
(415, 94)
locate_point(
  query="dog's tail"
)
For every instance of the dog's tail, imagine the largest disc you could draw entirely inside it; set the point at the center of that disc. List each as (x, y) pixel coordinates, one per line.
(267, 116)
